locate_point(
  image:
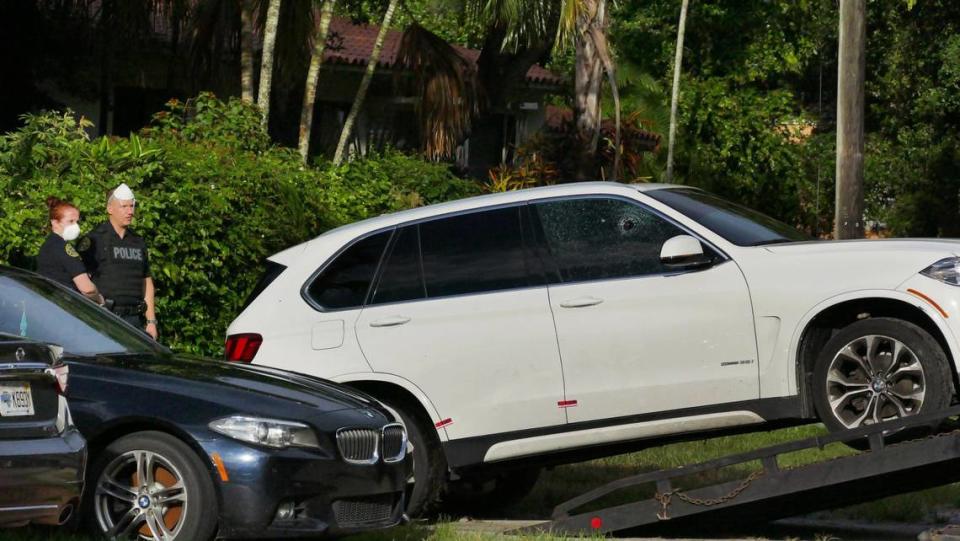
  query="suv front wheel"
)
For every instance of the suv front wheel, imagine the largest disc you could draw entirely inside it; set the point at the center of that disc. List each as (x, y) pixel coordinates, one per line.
(877, 370)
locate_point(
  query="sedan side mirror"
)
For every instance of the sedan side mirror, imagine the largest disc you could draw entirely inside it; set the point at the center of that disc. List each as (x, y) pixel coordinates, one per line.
(683, 252)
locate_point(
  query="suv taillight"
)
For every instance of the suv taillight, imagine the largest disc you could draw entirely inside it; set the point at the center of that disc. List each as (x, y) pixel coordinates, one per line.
(61, 373)
(243, 347)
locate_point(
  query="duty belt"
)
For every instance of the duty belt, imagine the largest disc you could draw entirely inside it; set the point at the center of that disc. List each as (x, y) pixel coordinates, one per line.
(130, 309)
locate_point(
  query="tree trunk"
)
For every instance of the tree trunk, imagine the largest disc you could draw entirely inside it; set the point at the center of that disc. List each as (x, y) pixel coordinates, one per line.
(176, 21)
(364, 84)
(105, 87)
(313, 73)
(266, 63)
(587, 78)
(593, 61)
(246, 51)
(675, 97)
(848, 223)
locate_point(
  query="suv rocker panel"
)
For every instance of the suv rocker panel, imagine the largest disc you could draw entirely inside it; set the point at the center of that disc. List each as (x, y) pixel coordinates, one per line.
(468, 452)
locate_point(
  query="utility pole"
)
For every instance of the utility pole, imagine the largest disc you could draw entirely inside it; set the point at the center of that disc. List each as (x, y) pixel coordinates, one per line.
(675, 93)
(848, 221)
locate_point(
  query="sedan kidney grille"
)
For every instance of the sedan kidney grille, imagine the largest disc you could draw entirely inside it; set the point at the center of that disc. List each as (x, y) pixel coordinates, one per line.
(394, 443)
(359, 445)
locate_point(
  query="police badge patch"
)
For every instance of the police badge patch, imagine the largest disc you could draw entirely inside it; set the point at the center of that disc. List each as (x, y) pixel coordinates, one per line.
(71, 251)
(83, 244)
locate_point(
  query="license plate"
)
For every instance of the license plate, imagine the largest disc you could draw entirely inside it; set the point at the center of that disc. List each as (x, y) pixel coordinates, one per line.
(15, 399)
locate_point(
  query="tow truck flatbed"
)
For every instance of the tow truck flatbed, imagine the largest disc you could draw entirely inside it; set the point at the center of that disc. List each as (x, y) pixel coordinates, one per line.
(769, 492)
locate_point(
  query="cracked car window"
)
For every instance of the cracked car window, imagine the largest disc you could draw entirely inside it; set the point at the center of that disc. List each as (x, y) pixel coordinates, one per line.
(597, 239)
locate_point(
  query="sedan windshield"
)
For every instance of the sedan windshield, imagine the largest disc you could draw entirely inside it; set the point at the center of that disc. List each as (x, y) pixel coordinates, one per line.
(40, 310)
(736, 223)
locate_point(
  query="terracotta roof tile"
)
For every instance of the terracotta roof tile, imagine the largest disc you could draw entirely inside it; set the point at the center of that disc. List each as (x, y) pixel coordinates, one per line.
(559, 119)
(349, 43)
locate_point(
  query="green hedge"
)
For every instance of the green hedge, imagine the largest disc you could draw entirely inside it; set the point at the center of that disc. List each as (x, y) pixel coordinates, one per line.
(214, 198)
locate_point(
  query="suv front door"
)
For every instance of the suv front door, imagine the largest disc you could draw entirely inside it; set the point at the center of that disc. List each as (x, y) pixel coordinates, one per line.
(461, 311)
(636, 337)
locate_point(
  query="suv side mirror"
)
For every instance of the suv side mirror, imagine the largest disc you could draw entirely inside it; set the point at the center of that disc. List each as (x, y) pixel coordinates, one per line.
(683, 252)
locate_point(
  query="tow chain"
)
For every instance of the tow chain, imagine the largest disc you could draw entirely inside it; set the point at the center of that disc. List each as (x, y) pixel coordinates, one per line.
(665, 498)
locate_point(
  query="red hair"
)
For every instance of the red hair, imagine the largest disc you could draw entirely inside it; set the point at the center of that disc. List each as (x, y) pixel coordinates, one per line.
(57, 208)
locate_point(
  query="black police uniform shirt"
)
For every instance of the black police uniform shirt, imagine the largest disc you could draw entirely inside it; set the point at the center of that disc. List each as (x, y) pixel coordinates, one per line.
(117, 265)
(59, 260)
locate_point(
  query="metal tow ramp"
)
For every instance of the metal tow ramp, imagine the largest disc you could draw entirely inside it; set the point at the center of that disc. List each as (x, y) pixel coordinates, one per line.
(769, 493)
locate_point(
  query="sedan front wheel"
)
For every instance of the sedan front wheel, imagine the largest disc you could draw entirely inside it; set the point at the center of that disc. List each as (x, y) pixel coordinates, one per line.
(151, 486)
(878, 370)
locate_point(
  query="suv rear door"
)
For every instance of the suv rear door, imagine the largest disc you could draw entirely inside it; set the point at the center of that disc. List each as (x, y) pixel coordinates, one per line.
(461, 310)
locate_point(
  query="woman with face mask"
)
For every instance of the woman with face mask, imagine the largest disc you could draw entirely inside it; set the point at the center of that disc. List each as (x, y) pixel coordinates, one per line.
(58, 258)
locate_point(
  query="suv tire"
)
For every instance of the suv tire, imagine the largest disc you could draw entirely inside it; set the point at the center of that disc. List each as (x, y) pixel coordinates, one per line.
(879, 369)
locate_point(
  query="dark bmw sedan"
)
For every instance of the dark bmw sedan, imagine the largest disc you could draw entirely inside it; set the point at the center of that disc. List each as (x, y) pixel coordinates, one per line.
(186, 448)
(42, 454)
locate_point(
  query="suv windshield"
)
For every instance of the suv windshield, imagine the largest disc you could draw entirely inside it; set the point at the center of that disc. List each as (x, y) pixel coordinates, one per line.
(40, 310)
(736, 223)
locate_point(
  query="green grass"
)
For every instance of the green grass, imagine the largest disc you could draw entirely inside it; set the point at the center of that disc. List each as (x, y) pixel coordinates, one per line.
(564, 482)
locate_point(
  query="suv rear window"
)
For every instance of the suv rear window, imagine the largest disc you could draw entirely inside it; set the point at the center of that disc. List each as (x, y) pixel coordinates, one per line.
(345, 281)
(401, 279)
(474, 253)
(271, 273)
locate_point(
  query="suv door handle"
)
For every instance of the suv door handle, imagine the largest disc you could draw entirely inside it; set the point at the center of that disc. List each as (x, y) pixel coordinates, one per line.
(391, 321)
(581, 302)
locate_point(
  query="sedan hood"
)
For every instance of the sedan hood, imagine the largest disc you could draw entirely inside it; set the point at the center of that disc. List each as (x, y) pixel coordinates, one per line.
(225, 377)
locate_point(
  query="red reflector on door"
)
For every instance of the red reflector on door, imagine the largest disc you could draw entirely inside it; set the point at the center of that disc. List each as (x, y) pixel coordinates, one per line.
(567, 403)
(444, 423)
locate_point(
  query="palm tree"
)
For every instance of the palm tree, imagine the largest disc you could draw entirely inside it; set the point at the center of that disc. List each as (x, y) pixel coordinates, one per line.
(518, 34)
(266, 62)
(584, 22)
(313, 73)
(358, 100)
(677, 62)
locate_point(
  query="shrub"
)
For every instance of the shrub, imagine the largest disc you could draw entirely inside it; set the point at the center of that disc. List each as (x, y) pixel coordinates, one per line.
(214, 200)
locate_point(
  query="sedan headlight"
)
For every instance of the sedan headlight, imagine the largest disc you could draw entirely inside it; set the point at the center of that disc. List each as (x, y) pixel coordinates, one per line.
(268, 432)
(946, 270)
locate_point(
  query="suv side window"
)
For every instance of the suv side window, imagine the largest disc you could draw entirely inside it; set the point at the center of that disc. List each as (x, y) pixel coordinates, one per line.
(401, 278)
(346, 280)
(601, 239)
(474, 253)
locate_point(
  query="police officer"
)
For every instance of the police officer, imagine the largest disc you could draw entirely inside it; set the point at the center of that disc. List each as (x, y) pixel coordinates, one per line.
(117, 259)
(58, 258)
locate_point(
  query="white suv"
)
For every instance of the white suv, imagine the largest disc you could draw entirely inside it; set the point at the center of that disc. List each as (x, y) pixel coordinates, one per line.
(550, 325)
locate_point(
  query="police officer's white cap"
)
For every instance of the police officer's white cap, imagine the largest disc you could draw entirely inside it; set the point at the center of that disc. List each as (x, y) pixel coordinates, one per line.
(122, 192)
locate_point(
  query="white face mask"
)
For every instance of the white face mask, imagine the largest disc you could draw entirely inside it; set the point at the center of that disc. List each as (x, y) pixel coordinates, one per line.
(71, 232)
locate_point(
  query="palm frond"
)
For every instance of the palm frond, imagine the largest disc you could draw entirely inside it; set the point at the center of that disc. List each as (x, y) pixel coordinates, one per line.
(447, 86)
(572, 13)
(526, 22)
